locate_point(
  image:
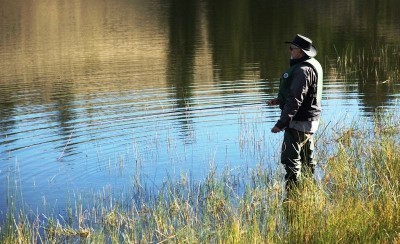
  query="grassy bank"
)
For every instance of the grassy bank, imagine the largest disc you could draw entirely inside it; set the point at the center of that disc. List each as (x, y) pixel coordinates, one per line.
(355, 200)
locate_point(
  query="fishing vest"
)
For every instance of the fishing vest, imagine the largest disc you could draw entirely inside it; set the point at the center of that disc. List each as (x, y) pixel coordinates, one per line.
(311, 106)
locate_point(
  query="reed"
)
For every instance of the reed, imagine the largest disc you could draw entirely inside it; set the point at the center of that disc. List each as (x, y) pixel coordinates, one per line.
(355, 200)
(380, 64)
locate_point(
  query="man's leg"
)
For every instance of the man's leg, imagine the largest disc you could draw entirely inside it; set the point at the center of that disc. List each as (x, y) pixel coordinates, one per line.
(290, 157)
(307, 156)
(297, 152)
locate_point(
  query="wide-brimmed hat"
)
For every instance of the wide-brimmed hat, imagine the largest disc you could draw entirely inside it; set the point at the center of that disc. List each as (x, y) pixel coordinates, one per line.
(305, 44)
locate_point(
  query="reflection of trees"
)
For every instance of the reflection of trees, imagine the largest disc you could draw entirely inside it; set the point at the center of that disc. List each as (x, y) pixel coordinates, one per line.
(229, 33)
(242, 35)
(374, 95)
(181, 51)
(61, 101)
(246, 36)
(245, 32)
(64, 98)
(6, 112)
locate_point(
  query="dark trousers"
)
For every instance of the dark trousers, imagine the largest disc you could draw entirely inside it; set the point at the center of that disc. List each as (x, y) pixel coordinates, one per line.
(297, 156)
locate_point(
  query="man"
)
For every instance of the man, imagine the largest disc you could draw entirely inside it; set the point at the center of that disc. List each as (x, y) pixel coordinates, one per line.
(299, 98)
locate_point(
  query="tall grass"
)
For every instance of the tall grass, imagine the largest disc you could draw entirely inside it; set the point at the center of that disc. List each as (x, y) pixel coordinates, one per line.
(355, 200)
(380, 64)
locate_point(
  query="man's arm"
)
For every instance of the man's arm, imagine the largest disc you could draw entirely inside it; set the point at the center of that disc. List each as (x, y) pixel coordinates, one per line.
(298, 91)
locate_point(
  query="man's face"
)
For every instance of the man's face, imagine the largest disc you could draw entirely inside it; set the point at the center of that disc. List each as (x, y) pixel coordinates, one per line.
(295, 52)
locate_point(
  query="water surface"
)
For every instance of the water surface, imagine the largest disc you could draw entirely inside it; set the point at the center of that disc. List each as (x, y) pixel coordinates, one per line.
(95, 93)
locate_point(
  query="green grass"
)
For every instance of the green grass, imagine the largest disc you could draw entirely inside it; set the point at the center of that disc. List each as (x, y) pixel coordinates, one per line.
(355, 200)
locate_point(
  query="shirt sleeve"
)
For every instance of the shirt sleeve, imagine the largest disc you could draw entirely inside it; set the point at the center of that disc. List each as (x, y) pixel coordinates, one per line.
(297, 92)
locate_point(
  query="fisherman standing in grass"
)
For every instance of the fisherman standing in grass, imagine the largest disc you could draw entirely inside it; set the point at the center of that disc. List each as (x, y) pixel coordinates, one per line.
(299, 99)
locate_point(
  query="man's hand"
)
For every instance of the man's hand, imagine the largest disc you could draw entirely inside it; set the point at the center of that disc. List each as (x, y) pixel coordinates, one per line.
(272, 102)
(275, 130)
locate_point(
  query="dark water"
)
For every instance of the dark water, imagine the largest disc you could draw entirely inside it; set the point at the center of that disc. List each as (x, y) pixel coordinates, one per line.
(94, 93)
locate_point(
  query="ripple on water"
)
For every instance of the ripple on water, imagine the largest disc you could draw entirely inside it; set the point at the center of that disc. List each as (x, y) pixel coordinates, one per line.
(98, 139)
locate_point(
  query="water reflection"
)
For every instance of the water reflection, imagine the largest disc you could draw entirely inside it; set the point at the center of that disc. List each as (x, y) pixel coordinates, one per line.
(374, 96)
(228, 25)
(89, 81)
(128, 45)
(63, 98)
(7, 114)
(183, 36)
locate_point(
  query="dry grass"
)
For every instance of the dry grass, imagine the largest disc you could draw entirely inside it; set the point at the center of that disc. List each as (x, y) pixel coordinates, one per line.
(380, 64)
(356, 201)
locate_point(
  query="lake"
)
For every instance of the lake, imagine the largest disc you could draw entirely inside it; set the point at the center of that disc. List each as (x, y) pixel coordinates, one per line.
(95, 94)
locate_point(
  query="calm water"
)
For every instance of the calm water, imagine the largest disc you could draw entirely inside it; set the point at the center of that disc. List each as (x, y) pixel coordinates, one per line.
(94, 93)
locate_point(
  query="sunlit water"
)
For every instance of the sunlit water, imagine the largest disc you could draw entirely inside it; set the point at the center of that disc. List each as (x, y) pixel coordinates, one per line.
(93, 101)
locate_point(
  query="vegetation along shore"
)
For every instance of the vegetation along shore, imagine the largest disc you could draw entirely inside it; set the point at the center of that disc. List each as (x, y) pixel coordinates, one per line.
(354, 199)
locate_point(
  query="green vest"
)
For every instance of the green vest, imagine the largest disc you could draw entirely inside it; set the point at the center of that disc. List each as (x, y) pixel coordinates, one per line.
(286, 79)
